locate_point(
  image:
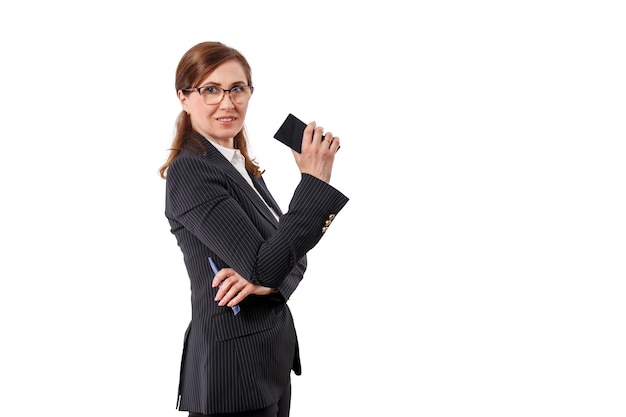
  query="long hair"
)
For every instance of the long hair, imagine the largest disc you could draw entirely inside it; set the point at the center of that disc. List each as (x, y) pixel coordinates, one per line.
(195, 65)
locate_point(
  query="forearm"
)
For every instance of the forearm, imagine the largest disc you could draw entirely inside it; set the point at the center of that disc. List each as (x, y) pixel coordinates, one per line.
(300, 229)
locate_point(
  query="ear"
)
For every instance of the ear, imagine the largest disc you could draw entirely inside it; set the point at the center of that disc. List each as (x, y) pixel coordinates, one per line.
(184, 102)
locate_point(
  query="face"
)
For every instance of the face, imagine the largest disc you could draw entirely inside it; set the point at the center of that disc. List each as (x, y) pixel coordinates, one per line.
(221, 121)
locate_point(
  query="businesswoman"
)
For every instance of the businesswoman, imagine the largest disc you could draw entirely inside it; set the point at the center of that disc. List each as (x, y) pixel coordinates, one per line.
(241, 345)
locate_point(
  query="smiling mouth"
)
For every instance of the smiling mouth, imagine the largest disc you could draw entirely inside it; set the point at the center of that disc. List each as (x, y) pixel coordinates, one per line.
(226, 119)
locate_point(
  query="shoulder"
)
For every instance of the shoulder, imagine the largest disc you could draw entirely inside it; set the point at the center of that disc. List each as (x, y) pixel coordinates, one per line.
(188, 165)
(192, 171)
(186, 158)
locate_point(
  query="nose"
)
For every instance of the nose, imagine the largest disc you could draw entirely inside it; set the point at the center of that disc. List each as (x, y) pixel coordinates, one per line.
(227, 103)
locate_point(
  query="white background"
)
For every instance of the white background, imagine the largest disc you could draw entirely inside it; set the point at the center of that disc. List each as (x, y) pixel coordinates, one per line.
(478, 269)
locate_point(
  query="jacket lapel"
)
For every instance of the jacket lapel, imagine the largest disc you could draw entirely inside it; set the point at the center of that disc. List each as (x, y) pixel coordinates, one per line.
(215, 157)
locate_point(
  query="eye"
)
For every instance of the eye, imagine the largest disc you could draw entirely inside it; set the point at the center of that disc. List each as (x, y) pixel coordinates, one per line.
(237, 89)
(211, 90)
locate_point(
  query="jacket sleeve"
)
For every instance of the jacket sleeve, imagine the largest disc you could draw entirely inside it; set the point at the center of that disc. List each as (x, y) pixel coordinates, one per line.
(199, 198)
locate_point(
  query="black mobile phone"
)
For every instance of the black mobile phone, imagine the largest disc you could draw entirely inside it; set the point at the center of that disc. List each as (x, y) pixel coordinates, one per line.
(290, 132)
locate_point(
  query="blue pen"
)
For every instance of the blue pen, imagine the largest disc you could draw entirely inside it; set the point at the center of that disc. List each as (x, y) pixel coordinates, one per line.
(215, 271)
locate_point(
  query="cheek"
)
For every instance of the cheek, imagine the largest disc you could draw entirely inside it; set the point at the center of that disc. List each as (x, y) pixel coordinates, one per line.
(242, 109)
(198, 113)
(199, 120)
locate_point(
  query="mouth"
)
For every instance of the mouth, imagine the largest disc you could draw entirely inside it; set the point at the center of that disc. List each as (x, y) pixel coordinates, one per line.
(226, 119)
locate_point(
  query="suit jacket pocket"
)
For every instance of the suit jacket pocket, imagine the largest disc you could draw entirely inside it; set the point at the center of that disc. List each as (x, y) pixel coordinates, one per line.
(252, 319)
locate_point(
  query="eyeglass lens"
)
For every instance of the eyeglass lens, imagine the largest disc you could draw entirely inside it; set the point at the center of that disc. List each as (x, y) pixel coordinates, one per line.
(214, 95)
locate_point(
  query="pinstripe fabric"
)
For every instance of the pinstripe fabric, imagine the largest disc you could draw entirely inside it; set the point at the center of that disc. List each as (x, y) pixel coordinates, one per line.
(237, 363)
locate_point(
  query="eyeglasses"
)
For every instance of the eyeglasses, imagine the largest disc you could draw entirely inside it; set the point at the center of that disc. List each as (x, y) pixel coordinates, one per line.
(211, 94)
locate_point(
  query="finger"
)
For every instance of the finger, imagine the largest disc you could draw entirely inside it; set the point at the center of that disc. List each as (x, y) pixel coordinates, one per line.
(239, 297)
(318, 135)
(234, 288)
(307, 136)
(217, 280)
(334, 143)
(221, 291)
(224, 287)
(226, 292)
(228, 295)
(328, 138)
(234, 295)
(242, 293)
(221, 275)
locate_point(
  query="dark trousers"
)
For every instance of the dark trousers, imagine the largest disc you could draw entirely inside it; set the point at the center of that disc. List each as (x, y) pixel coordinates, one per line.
(279, 409)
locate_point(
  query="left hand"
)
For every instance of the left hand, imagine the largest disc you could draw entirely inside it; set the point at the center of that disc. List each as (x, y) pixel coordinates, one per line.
(233, 288)
(318, 152)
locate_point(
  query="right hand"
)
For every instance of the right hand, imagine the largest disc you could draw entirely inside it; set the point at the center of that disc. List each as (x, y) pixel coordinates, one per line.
(318, 152)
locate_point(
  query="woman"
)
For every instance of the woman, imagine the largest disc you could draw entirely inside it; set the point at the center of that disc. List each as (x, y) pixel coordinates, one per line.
(221, 211)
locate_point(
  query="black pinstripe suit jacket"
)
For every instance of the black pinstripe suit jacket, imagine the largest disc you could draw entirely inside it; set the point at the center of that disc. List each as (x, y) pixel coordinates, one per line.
(235, 363)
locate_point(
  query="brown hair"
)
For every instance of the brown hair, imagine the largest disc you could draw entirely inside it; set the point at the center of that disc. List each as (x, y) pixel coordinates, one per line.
(195, 65)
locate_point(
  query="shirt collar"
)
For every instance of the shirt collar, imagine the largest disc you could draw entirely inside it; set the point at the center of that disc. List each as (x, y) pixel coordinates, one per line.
(230, 154)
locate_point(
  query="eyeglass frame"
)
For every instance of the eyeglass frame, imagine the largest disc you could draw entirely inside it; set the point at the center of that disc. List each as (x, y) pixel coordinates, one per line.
(224, 91)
